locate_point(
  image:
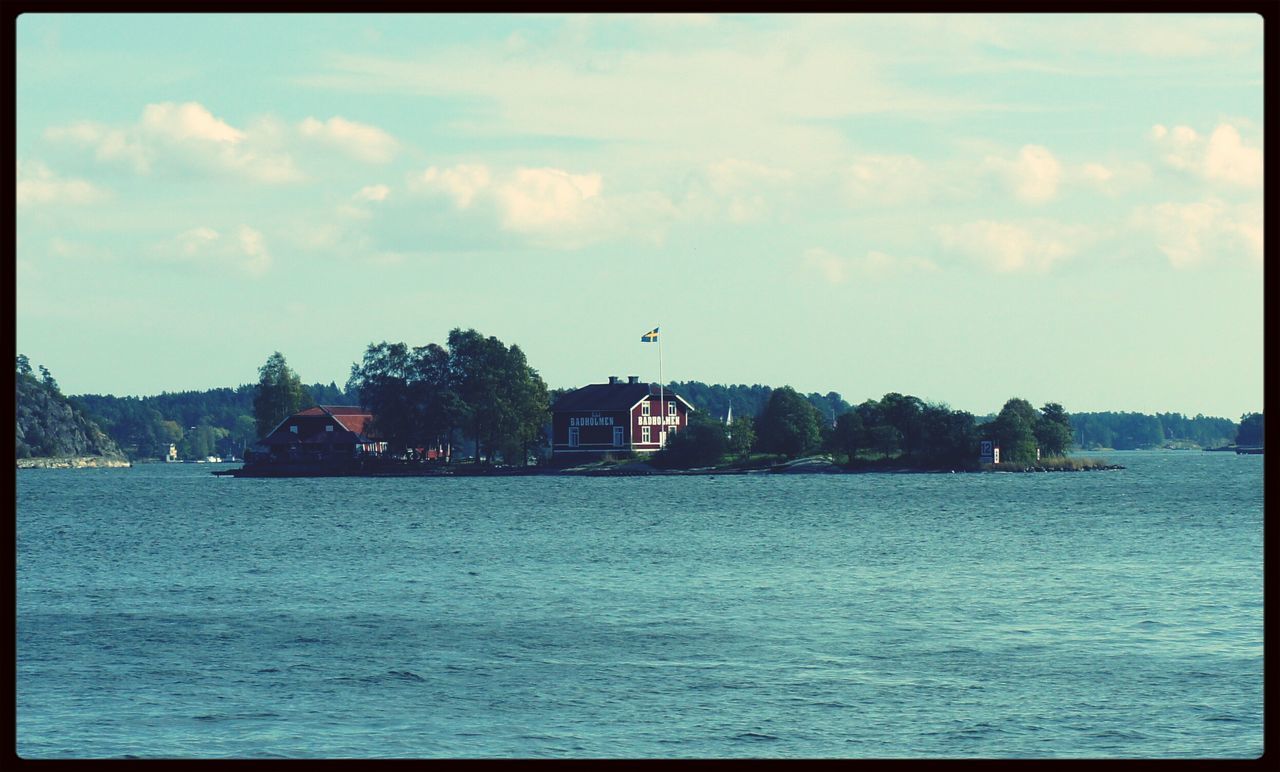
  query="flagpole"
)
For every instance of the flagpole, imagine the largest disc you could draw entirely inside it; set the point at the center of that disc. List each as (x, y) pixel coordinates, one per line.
(662, 405)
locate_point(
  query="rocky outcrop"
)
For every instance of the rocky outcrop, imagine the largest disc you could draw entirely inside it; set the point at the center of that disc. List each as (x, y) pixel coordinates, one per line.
(73, 462)
(52, 433)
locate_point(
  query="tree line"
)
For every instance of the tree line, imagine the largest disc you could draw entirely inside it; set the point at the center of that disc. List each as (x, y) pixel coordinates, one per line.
(897, 428)
(477, 388)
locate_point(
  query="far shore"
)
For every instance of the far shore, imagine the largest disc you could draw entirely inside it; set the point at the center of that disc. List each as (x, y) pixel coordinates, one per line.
(641, 468)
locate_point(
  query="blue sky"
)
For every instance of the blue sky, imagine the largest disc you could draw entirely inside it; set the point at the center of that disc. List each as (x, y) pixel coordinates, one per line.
(965, 208)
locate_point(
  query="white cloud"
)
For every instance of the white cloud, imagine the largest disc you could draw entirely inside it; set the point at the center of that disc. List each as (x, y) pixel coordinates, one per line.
(462, 183)
(187, 121)
(373, 193)
(738, 190)
(38, 184)
(245, 249)
(364, 142)
(526, 199)
(1033, 175)
(538, 198)
(837, 269)
(888, 180)
(1190, 234)
(1007, 247)
(78, 250)
(1223, 157)
(184, 136)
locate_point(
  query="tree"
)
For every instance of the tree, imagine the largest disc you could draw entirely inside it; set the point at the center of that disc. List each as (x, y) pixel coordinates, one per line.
(1013, 431)
(949, 438)
(1250, 434)
(46, 378)
(849, 435)
(789, 424)
(877, 434)
(741, 435)
(1053, 430)
(903, 412)
(701, 443)
(279, 394)
(24, 365)
(505, 399)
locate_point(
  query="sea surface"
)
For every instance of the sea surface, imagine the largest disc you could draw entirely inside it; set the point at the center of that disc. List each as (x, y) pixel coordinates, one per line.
(165, 612)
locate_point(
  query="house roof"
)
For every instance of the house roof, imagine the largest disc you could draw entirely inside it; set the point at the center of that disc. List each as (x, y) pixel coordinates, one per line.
(610, 396)
(352, 418)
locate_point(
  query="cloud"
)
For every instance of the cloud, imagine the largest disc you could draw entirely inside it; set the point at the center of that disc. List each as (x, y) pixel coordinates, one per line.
(1007, 247)
(888, 180)
(360, 140)
(1222, 157)
(38, 184)
(184, 136)
(462, 183)
(187, 121)
(1033, 176)
(1190, 234)
(526, 199)
(837, 269)
(245, 249)
(537, 198)
(373, 193)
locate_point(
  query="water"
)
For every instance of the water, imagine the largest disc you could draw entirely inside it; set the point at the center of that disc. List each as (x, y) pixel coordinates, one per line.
(164, 612)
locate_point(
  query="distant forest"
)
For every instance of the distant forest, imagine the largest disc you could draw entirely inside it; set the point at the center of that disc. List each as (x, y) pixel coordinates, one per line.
(221, 421)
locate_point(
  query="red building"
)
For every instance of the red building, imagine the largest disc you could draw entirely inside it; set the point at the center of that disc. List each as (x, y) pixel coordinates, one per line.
(616, 417)
(323, 433)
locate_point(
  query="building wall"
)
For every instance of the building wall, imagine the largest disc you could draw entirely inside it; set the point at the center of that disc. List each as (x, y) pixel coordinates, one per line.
(658, 421)
(595, 430)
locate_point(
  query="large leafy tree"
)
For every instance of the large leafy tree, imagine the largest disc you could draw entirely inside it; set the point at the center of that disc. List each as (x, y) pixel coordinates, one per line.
(1251, 432)
(904, 413)
(849, 435)
(1014, 431)
(740, 435)
(789, 424)
(1053, 430)
(279, 394)
(701, 443)
(410, 393)
(505, 398)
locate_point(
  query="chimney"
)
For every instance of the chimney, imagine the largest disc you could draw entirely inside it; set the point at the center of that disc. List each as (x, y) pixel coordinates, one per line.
(613, 379)
(633, 379)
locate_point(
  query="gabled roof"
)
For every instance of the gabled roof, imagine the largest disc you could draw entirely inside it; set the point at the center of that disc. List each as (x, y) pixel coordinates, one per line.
(352, 418)
(610, 396)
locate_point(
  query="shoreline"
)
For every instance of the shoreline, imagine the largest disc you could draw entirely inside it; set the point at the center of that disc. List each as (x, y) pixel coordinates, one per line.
(637, 470)
(73, 462)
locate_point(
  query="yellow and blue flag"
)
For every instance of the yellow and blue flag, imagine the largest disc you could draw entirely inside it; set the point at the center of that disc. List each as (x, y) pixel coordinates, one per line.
(650, 336)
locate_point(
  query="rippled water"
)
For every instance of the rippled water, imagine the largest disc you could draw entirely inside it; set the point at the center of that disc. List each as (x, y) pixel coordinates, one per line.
(166, 612)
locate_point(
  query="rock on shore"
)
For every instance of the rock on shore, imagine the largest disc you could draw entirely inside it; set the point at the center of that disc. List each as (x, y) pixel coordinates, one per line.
(73, 462)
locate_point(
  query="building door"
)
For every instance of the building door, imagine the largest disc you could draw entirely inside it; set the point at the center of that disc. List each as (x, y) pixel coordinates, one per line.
(617, 436)
(573, 436)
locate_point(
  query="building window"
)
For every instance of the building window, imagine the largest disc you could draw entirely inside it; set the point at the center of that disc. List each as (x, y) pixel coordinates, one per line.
(671, 408)
(328, 427)
(617, 436)
(644, 434)
(573, 436)
(294, 428)
(644, 408)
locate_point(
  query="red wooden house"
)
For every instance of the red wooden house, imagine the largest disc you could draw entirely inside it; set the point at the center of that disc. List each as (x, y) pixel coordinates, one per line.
(323, 433)
(616, 417)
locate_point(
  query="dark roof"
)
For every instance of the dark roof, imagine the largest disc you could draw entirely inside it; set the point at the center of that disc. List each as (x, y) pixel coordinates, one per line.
(609, 396)
(353, 422)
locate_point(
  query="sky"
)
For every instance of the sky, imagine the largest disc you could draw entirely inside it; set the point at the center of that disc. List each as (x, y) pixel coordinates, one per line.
(965, 208)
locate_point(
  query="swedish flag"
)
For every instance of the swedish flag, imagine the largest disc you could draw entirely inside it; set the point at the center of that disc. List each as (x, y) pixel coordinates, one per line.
(650, 336)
